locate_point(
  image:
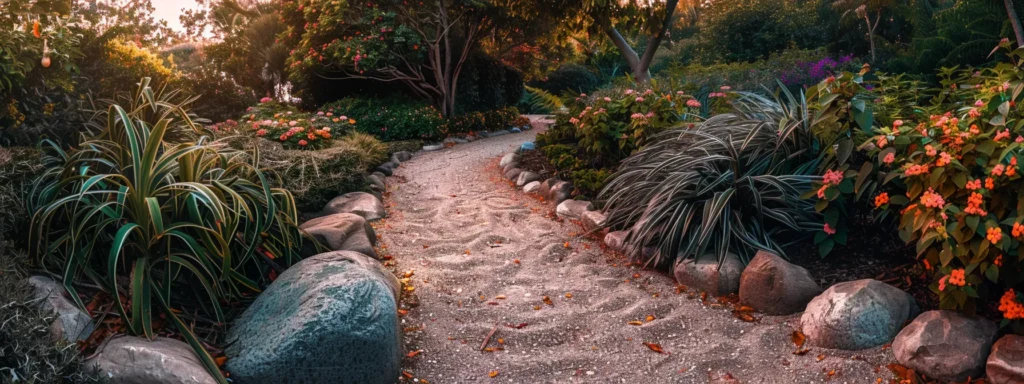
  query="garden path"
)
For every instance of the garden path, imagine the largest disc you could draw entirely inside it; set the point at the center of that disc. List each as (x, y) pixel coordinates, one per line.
(484, 255)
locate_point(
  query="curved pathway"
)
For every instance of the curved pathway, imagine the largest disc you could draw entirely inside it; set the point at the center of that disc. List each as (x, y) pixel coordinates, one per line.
(484, 256)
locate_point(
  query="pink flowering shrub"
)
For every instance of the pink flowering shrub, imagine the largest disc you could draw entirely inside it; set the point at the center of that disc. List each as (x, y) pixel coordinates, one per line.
(292, 128)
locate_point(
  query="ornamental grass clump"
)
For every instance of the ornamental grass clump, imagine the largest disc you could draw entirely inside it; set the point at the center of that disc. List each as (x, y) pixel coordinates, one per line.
(189, 230)
(730, 184)
(949, 174)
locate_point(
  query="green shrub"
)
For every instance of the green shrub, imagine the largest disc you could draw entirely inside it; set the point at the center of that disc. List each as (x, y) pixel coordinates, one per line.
(18, 167)
(945, 170)
(28, 354)
(189, 227)
(569, 77)
(487, 84)
(729, 185)
(588, 182)
(315, 177)
(294, 129)
(389, 120)
(410, 146)
(371, 151)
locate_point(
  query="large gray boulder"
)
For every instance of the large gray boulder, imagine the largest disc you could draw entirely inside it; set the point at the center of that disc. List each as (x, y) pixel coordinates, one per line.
(508, 158)
(137, 360)
(945, 345)
(544, 190)
(343, 232)
(857, 315)
(71, 323)
(1006, 361)
(331, 318)
(526, 177)
(573, 209)
(361, 203)
(705, 274)
(775, 286)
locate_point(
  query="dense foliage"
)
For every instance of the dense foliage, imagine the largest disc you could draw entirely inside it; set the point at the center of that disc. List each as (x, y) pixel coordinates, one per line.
(184, 225)
(946, 170)
(389, 119)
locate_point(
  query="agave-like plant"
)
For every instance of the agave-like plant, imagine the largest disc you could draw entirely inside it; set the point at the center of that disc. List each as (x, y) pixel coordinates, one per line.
(728, 185)
(189, 227)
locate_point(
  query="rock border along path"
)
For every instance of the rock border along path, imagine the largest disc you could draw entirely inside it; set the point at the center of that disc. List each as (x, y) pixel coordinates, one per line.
(484, 256)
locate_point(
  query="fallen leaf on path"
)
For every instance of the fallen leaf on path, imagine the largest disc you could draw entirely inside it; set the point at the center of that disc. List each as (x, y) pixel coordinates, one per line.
(425, 246)
(516, 326)
(655, 347)
(568, 295)
(650, 318)
(500, 297)
(801, 352)
(635, 322)
(493, 374)
(467, 251)
(221, 360)
(799, 338)
(821, 357)
(516, 261)
(414, 353)
(536, 307)
(407, 375)
(402, 312)
(745, 317)
(547, 300)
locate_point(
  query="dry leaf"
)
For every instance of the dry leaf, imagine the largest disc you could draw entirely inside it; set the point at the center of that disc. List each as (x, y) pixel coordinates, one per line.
(425, 246)
(801, 352)
(414, 353)
(407, 375)
(650, 318)
(516, 261)
(655, 347)
(635, 322)
(493, 374)
(467, 251)
(402, 312)
(536, 307)
(745, 317)
(799, 338)
(566, 245)
(547, 300)
(501, 341)
(516, 326)
(821, 357)
(568, 295)
(221, 360)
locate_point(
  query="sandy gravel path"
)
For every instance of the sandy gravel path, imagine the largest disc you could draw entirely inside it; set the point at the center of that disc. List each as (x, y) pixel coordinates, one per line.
(484, 255)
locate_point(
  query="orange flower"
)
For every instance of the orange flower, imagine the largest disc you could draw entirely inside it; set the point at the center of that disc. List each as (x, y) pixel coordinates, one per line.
(998, 261)
(989, 183)
(1018, 230)
(931, 199)
(881, 199)
(957, 277)
(974, 184)
(35, 30)
(974, 205)
(1010, 307)
(994, 234)
(828, 229)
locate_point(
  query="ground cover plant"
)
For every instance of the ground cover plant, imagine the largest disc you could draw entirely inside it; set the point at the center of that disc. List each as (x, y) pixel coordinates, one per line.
(165, 228)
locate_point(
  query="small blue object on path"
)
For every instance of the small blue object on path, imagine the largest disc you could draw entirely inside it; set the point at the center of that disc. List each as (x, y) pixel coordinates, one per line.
(527, 146)
(515, 130)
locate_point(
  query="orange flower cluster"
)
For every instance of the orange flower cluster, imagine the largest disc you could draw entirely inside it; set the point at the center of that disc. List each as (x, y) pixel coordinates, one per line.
(998, 261)
(994, 234)
(1018, 230)
(881, 199)
(957, 277)
(1008, 305)
(931, 199)
(974, 205)
(914, 169)
(974, 184)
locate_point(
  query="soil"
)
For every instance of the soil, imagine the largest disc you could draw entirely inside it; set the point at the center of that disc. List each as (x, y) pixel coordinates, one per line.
(501, 291)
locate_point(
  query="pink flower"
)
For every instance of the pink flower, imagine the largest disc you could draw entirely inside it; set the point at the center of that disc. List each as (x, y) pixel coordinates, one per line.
(897, 123)
(266, 100)
(261, 132)
(639, 99)
(889, 158)
(321, 113)
(680, 92)
(979, 103)
(973, 113)
(303, 143)
(607, 99)
(832, 177)
(725, 88)
(1020, 139)
(828, 229)
(629, 91)
(693, 103)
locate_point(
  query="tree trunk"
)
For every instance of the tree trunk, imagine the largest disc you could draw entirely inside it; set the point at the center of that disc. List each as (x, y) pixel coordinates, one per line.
(641, 65)
(871, 34)
(1018, 31)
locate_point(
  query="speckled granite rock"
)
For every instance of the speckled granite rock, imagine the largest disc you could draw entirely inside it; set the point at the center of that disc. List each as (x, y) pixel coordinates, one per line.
(331, 318)
(857, 315)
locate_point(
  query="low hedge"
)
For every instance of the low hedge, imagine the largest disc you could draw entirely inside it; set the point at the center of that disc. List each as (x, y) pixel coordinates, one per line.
(390, 120)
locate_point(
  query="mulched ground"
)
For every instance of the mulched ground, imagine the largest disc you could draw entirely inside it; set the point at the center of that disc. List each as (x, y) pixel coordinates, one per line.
(535, 161)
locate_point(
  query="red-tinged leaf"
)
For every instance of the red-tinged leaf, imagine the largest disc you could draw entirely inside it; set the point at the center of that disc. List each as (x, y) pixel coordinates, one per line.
(547, 300)
(635, 322)
(801, 352)
(220, 360)
(517, 326)
(407, 375)
(655, 347)
(799, 338)
(414, 353)
(493, 374)
(402, 312)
